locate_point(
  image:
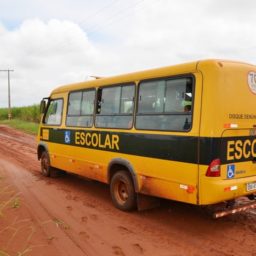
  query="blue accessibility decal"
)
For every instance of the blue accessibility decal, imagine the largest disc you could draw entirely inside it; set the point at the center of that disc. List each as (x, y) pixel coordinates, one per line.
(67, 137)
(230, 171)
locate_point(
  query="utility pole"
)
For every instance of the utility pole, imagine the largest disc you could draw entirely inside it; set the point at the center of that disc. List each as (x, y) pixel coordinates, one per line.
(9, 92)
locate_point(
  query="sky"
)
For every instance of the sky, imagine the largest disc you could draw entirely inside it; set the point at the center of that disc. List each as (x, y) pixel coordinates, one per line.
(52, 43)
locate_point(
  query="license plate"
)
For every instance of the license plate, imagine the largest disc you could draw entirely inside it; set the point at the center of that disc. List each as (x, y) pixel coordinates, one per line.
(251, 186)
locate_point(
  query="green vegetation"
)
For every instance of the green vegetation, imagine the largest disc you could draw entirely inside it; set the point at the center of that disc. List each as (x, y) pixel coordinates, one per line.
(29, 113)
(23, 118)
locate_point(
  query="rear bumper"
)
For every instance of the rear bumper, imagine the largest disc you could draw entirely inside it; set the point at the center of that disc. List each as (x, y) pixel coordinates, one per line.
(215, 190)
(236, 209)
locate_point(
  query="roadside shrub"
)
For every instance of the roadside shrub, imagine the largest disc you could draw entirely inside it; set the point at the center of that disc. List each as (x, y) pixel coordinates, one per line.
(3, 114)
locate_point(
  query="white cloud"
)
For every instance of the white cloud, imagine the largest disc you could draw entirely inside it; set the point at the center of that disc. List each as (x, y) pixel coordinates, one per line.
(69, 41)
(43, 56)
(183, 31)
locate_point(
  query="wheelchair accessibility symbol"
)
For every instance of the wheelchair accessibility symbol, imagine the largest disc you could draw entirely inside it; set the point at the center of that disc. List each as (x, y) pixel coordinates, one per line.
(67, 137)
(230, 171)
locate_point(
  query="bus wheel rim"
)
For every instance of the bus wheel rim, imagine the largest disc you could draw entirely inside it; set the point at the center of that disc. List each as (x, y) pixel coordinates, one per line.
(121, 192)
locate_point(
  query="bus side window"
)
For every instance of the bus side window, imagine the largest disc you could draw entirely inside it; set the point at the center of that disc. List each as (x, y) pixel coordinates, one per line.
(81, 108)
(165, 104)
(115, 106)
(127, 100)
(54, 112)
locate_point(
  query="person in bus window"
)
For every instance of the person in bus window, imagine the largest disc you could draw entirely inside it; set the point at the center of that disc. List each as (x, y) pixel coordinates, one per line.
(187, 108)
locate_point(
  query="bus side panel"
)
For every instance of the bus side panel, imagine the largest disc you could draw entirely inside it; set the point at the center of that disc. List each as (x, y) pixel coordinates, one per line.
(79, 162)
(168, 179)
(165, 166)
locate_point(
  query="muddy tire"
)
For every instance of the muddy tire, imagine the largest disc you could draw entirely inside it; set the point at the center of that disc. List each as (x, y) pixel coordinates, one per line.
(45, 164)
(122, 191)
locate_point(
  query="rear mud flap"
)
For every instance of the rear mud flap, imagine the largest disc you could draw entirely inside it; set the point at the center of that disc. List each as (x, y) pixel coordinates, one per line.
(145, 202)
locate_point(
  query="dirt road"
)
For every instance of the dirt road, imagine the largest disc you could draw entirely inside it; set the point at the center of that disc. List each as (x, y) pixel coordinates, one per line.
(70, 215)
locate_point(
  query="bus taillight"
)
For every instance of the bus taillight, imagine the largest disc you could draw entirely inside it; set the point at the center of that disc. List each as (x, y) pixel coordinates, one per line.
(214, 168)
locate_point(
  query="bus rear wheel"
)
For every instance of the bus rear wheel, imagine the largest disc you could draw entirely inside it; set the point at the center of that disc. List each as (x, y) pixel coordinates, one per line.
(122, 191)
(45, 164)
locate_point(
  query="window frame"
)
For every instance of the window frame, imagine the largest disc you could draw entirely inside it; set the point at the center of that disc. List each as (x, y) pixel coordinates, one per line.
(190, 75)
(48, 105)
(94, 107)
(133, 84)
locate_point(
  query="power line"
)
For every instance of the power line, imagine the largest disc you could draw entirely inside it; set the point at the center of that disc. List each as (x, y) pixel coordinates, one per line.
(116, 16)
(9, 91)
(93, 15)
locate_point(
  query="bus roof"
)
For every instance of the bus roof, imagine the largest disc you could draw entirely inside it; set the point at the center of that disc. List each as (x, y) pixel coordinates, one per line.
(143, 75)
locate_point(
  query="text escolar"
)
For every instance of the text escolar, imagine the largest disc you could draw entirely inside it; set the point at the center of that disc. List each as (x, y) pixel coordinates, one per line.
(97, 140)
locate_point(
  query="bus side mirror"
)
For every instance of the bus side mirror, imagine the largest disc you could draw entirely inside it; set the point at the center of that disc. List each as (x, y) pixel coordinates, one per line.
(42, 106)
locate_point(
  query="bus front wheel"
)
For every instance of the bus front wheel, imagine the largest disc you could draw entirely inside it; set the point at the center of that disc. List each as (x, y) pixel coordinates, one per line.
(45, 164)
(122, 191)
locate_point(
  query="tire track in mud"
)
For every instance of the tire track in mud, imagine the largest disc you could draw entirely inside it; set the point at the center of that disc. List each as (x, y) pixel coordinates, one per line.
(19, 147)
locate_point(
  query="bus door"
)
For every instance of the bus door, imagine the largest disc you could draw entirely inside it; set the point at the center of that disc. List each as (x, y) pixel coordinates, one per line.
(52, 135)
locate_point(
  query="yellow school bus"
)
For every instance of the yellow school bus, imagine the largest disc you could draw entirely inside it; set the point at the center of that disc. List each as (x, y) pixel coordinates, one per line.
(184, 133)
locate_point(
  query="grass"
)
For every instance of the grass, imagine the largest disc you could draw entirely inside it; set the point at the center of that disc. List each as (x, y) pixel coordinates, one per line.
(15, 203)
(61, 224)
(29, 127)
(23, 118)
